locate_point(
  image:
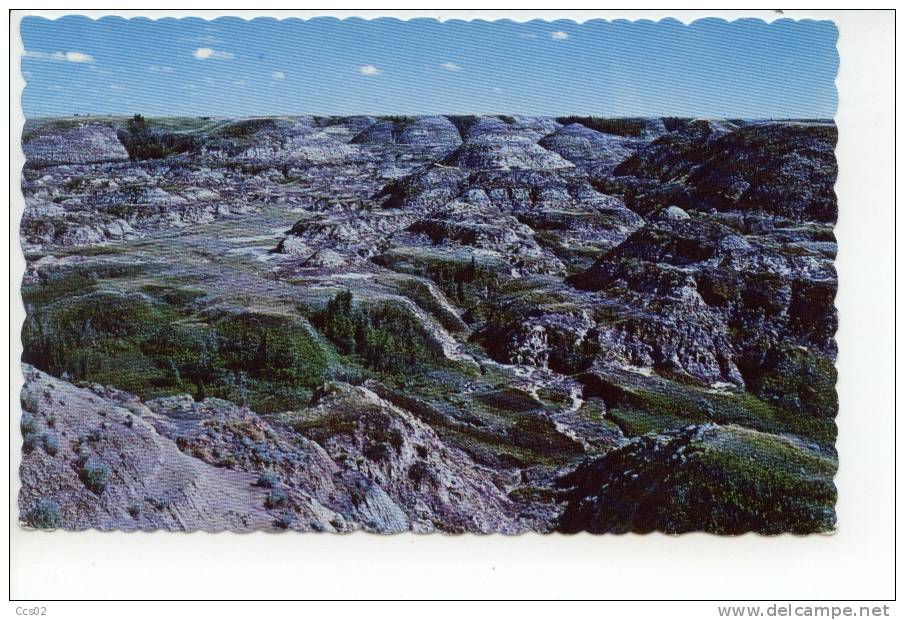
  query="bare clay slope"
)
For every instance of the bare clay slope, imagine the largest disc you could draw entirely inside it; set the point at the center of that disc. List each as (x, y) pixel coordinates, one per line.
(102, 458)
(454, 323)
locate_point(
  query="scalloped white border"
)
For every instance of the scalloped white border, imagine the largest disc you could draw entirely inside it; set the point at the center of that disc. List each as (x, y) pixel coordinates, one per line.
(854, 563)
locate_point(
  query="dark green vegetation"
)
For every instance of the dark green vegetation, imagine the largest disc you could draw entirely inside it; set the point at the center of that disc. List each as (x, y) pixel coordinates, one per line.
(143, 142)
(724, 480)
(158, 343)
(800, 382)
(385, 337)
(492, 302)
(402, 120)
(163, 341)
(495, 426)
(659, 322)
(632, 127)
(94, 474)
(785, 170)
(472, 286)
(455, 279)
(641, 405)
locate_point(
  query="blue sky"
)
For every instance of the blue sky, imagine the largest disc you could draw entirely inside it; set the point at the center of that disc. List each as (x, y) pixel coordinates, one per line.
(230, 66)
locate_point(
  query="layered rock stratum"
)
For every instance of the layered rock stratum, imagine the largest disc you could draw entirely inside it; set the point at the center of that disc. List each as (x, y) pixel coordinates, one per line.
(490, 324)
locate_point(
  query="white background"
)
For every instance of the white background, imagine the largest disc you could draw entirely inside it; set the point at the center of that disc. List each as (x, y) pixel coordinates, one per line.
(856, 562)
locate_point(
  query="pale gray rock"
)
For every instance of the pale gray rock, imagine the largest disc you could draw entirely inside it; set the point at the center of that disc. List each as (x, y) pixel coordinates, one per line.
(73, 142)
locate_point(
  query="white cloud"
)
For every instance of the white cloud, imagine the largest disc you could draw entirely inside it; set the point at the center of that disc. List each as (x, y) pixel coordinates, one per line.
(78, 57)
(117, 88)
(497, 89)
(160, 69)
(369, 70)
(239, 82)
(278, 75)
(559, 35)
(206, 53)
(451, 66)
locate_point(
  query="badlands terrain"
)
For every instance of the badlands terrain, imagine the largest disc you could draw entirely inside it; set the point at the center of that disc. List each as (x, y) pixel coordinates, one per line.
(440, 323)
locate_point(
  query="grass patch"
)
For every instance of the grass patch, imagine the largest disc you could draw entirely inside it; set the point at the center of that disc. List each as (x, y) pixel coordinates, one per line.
(641, 405)
(728, 481)
(799, 381)
(510, 399)
(76, 280)
(174, 295)
(420, 293)
(155, 346)
(634, 422)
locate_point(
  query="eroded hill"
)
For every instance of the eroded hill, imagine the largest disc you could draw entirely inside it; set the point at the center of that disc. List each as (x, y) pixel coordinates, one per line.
(486, 324)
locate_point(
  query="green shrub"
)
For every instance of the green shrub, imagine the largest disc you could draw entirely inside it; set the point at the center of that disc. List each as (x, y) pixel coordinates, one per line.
(276, 498)
(75, 280)
(267, 480)
(723, 480)
(50, 443)
(799, 381)
(632, 127)
(27, 424)
(89, 335)
(94, 475)
(44, 515)
(462, 281)
(400, 119)
(386, 337)
(29, 402)
(29, 442)
(142, 142)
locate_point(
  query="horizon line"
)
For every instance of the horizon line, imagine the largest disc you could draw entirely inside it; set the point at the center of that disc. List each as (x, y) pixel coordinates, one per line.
(385, 115)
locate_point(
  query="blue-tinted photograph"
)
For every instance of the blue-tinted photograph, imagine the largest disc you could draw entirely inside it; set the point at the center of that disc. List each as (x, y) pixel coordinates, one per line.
(331, 275)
